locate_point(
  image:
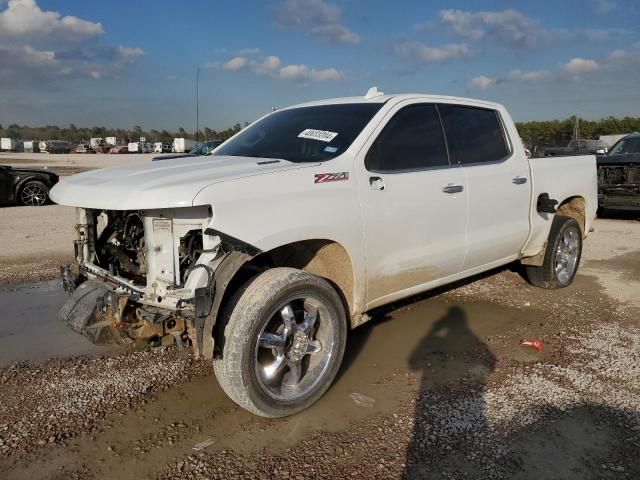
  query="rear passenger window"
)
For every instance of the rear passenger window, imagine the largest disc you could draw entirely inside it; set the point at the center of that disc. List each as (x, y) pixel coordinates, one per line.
(474, 135)
(412, 140)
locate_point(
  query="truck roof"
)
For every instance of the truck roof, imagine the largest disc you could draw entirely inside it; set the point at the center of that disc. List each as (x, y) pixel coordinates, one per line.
(404, 96)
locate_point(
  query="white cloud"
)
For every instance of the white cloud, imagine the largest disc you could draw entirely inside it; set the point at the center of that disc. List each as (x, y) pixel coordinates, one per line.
(335, 33)
(267, 66)
(508, 26)
(127, 54)
(577, 65)
(248, 51)
(302, 73)
(531, 76)
(305, 13)
(326, 74)
(41, 47)
(617, 54)
(319, 19)
(236, 63)
(483, 82)
(512, 29)
(272, 66)
(24, 19)
(421, 53)
(602, 7)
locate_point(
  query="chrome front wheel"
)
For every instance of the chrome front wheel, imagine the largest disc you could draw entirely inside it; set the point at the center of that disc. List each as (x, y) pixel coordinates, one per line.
(283, 343)
(294, 348)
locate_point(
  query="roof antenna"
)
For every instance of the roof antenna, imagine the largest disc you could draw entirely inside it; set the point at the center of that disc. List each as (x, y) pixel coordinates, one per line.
(373, 92)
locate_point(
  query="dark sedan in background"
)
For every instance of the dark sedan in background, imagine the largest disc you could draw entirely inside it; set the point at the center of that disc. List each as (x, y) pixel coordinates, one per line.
(619, 175)
(26, 186)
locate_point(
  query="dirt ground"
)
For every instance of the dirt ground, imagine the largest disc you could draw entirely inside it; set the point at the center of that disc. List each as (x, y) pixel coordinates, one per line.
(35, 242)
(437, 386)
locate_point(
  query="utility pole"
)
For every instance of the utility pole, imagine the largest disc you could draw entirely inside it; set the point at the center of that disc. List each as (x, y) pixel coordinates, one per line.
(197, 102)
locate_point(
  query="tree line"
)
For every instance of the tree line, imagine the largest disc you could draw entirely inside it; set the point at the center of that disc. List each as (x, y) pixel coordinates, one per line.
(534, 134)
(560, 132)
(75, 134)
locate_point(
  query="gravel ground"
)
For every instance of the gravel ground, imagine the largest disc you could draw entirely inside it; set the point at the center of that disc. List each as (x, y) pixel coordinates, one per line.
(463, 400)
(55, 401)
(484, 425)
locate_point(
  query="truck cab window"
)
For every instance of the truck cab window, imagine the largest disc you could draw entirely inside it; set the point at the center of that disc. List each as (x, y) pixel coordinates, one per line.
(412, 140)
(474, 135)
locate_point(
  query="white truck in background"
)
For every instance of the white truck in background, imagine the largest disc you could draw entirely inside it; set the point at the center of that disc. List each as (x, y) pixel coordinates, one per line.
(265, 253)
(9, 144)
(183, 145)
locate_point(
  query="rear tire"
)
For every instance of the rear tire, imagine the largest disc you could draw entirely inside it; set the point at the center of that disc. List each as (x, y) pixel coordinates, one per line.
(562, 255)
(283, 343)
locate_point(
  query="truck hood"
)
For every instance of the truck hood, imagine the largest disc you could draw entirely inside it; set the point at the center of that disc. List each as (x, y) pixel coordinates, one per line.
(620, 159)
(26, 170)
(167, 184)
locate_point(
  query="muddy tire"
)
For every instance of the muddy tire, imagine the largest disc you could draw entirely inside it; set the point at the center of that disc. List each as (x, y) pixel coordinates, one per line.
(562, 256)
(283, 343)
(33, 194)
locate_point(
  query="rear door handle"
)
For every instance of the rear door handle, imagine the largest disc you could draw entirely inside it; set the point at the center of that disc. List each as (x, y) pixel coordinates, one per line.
(451, 188)
(519, 180)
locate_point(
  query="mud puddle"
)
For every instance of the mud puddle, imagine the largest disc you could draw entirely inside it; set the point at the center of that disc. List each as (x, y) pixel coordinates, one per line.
(445, 340)
(30, 329)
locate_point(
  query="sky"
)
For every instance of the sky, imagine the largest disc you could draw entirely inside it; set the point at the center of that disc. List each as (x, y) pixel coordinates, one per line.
(124, 63)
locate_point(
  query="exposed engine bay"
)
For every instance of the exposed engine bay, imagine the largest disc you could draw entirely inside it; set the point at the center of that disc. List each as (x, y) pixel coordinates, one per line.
(121, 248)
(619, 186)
(140, 274)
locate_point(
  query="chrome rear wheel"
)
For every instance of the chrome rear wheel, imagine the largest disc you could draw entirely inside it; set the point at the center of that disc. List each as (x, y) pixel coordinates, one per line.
(567, 252)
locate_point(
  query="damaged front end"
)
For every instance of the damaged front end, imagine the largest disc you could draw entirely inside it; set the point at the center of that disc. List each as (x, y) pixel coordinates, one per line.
(619, 186)
(144, 277)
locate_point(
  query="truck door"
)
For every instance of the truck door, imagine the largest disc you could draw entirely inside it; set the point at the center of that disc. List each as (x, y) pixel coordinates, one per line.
(413, 204)
(497, 173)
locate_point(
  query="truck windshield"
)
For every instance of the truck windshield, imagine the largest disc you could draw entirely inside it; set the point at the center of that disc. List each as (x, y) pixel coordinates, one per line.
(626, 145)
(305, 134)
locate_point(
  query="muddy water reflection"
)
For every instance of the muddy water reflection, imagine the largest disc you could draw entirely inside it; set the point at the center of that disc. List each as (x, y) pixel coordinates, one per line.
(30, 329)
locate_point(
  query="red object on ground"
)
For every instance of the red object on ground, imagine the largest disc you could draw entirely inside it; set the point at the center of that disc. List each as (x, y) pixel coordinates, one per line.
(537, 344)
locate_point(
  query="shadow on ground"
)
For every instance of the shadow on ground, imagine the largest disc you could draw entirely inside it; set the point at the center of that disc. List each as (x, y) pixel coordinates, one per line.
(581, 442)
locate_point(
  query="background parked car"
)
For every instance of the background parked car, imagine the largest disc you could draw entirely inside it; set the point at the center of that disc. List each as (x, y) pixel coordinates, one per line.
(204, 148)
(84, 148)
(577, 147)
(27, 186)
(119, 149)
(56, 146)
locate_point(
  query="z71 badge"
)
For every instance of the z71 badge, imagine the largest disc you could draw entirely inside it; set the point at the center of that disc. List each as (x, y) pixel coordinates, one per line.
(331, 177)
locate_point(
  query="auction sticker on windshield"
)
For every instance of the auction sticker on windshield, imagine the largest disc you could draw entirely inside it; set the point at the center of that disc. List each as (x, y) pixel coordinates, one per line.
(322, 135)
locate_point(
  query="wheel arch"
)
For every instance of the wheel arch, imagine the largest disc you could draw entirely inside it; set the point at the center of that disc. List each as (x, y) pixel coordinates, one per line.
(326, 258)
(576, 208)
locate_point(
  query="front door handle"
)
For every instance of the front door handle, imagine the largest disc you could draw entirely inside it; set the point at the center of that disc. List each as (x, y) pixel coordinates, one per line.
(376, 183)
(451, 188)
(519, 180)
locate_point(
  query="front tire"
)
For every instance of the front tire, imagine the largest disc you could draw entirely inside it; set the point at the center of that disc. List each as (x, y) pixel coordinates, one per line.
(562, 256)
(283, 343)
(33, 194)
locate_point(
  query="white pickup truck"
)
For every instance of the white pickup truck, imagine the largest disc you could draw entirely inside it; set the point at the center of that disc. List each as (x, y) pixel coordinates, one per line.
(264, 254)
